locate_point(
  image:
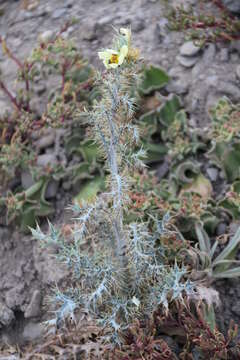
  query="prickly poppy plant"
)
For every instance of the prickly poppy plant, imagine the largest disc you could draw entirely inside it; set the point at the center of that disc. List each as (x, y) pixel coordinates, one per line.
(117, 269)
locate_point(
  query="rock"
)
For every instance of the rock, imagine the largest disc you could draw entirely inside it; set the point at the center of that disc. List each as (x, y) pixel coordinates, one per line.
(26, 179)
(40, 89)
(66, 185)
(179, 87)
(33, 308)
(235, 45)
(105, 20)
(46, 159)
(162, 170)
(224, 54)
(52, 189)
(59, 13)
(221, 229)
(209, 54)
(46, 36)
(238, 71)
(89, 33)
(6, 315)
(32, 331)
(211, 80)
(9, 357)
(189, 49)
(212, 173)
(161, 29)
(46, 141)
(232, 5)
(229, 89)
(187, 62)
(138, 25)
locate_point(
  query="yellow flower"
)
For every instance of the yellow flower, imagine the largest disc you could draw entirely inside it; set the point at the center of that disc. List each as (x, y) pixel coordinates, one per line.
(112, 58)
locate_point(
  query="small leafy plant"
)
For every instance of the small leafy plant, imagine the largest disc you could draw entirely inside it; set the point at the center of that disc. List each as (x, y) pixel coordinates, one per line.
(56, 58)
(205, 27)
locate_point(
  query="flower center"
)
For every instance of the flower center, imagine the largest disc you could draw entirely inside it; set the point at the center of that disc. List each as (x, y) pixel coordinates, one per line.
(113, 59)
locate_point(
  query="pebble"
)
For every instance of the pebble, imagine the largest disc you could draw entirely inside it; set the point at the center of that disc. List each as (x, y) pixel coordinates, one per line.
(46, 159)
(40, 89)
(179, 87)
(46, 141)
(34, 306)
(108, 19)
(6, 315)
(189, 49)
(59, 13)
(138, 25)
(162, 170)
(212, 173)
(187, 62)
(46, 36)
(232, 5)
(209, 54)
(224, 54)
(52, 189)
(26, 179)
(221, 229)
(235, 45)
(238, 71)
(32, 331)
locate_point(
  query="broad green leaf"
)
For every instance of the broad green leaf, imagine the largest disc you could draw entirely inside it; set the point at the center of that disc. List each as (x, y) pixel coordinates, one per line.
(169, 109)
(154, 78)
(90, 190)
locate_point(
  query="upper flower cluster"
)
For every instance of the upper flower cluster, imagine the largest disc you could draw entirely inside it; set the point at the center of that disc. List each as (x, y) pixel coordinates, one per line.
(112, 58)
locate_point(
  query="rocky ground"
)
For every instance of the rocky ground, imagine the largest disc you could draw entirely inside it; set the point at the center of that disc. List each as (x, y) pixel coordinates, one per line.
(199, 76)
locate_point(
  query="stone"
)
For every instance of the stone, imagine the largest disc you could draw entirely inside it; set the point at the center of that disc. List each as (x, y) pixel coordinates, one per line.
(187, 62)
(161, 30)
(162, 170)
(46, 36)
(6, 315)
(224, 54)
(189, 49)
(40, 89)
(229, 89)
(105, 20)
(46, 141)
(59, 13)
(26, 179)
(212, 173)
(46, 159)
(209, 54)
(221, 229)
(34, 307)
(138, 25)
(179, 87)
(238, 71)
(232, 5)
(52, 189)
(235, 45)
(32, 331)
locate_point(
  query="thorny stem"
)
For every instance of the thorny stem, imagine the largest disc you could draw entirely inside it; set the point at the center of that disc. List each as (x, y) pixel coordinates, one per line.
(115, 174)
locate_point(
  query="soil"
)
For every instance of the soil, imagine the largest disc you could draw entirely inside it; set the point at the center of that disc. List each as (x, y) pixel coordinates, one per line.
(26, 271)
